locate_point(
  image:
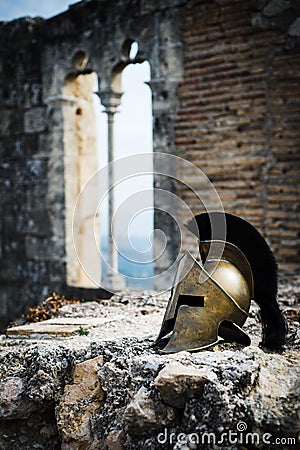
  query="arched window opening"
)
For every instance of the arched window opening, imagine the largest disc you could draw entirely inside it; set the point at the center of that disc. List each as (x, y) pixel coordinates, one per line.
(134, 48)
(80, 162)
(132, 135)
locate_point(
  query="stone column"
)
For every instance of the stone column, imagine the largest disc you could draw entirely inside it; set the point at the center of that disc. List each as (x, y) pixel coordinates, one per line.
(72, 161)
(111, 101)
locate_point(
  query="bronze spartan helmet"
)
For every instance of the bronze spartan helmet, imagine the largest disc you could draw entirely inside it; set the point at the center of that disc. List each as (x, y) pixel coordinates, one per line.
(209, 301)
(210, 227)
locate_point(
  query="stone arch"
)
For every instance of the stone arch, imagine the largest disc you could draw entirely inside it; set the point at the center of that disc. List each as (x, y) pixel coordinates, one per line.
(163, 84)
(107, 57)
(125, 60)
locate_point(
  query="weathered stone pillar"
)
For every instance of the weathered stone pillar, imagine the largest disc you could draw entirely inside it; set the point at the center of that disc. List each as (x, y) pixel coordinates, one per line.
(76, 163)
(166, 207)
(111, 101)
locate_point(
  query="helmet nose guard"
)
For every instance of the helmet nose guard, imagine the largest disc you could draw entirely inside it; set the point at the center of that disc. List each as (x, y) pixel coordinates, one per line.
(209, 300)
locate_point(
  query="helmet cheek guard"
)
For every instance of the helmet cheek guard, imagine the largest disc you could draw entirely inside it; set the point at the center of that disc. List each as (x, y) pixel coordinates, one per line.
(209, 300)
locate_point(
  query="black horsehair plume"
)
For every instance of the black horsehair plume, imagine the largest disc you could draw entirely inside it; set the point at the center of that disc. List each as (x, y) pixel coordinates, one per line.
(262, 261)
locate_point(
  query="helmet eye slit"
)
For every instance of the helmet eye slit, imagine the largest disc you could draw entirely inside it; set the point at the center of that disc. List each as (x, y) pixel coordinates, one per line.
(190, 300)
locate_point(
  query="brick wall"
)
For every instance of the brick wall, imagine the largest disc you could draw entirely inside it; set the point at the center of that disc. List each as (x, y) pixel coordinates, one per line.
(239, 115)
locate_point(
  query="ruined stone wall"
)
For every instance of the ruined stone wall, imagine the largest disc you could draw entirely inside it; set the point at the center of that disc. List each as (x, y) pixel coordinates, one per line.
(38, 61)
(31, 259)
(227, 71)
(239, 113)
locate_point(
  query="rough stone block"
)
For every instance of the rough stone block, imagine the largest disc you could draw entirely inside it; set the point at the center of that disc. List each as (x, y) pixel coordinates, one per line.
(36, 171)
(48, 329)
(143, 415)
(12, 399)
(79, 402)
(36, 196)
(38, 223)
(12, 95)
(276, 7)
(177, 383)
(38, 248)
(35, 120)
(5, 123)
(36, 272)
(294, 29)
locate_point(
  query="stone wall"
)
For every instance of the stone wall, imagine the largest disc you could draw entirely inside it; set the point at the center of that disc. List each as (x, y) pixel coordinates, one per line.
(37, 64)
(31, 259)
(225, 71)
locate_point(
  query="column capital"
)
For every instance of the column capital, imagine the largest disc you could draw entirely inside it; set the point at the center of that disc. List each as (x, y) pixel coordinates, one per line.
(58, 99)
(110, 99)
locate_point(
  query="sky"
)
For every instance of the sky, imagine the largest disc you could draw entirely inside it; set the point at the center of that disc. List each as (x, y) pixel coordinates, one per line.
(133, 125)
(13, 9)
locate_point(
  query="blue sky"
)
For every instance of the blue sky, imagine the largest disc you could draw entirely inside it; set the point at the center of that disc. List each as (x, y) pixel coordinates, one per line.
(13, 9)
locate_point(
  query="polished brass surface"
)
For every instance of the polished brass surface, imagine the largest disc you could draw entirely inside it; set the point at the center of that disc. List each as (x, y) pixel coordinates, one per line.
(230, 253)
(204, 296)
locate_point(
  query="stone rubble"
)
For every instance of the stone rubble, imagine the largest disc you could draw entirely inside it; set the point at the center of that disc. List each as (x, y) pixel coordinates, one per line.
(110, 389)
